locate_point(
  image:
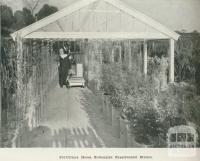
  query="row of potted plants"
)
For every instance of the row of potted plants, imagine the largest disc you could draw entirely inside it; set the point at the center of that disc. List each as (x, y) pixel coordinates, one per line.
(114, 100)
(135, 109)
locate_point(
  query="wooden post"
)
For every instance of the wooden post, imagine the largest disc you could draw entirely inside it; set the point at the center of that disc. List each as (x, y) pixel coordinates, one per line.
(19, 79)
(120, 53)
(129, 55)
(0, 80)
(112, 56)
(145, 58)
(171, 60)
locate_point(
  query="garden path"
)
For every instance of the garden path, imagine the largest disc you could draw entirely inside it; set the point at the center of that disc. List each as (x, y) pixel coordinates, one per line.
(72, 119)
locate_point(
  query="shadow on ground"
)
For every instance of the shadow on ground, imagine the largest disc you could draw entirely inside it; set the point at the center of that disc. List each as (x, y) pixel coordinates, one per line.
(43, 136)
(92, 104)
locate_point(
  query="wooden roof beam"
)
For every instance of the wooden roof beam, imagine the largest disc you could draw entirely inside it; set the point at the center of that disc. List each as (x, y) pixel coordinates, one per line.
(52, 18)
(96, 35)
(147, 20)
(60, 26)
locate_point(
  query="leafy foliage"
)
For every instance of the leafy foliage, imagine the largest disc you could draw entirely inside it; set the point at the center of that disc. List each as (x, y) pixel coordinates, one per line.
(45, 11)
(183, 60)
(28, 17)
(7, 20)
(187, 56)
(146, 124)
(158, 48)
(151, 111)
(112, 83)
(107, 85)
(19, 20)
(6, 16)
(11, 22)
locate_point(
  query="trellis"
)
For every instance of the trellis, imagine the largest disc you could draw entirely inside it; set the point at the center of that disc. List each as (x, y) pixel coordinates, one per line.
(38, 71)
(102, 19)
(8, 89)
(98, 52)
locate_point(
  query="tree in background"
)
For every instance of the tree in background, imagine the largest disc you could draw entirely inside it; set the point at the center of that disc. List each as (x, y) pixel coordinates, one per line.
(28, 17)
(196, 57)
(197, 77)
(32, 5)
(11, 22)
(7, 20)
(45, 11)
(23, 18)
(19, 20)
(183, 58)
(187, 58)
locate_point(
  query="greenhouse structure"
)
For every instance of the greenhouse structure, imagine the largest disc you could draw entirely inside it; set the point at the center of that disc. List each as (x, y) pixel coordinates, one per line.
(96, 27)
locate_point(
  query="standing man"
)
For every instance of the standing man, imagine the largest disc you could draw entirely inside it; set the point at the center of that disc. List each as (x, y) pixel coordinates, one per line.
(64, 64)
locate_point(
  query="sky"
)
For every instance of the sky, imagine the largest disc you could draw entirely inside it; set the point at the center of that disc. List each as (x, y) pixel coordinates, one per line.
(174, 14)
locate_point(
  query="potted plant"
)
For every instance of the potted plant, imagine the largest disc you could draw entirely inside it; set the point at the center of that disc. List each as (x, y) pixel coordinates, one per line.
(116, 97)
(107, 87)
(117, 101)
(138, 100)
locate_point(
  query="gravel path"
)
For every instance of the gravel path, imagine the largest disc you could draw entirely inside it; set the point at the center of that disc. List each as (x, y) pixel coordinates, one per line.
(66, 124)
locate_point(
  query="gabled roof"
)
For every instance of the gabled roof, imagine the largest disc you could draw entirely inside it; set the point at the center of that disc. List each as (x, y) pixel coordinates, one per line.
(83, 3)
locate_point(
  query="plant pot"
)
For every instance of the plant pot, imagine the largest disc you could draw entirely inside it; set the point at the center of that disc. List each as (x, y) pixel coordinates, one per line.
(116, 121)
(109, 111)
(97, 85)
(104, 107)
(129, 135)
(123, 132)
(102, 102)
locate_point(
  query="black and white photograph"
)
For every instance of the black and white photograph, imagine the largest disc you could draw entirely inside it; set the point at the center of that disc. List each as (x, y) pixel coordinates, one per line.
(100, 74)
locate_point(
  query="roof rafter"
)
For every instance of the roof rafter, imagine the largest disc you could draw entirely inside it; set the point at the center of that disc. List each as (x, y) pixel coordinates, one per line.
(60, 26)
(85, 19)
(83, 3)
(47, 20)
(147, 20)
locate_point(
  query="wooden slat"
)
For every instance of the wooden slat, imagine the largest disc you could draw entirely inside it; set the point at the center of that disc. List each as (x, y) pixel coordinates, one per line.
(52, 18)
(138, 15)
(95, 35)
(60, 26)
(101, 11)
(145, 56)
(171, 60)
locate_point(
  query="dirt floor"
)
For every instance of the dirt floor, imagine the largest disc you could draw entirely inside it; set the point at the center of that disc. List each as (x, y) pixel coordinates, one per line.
(73, 118)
